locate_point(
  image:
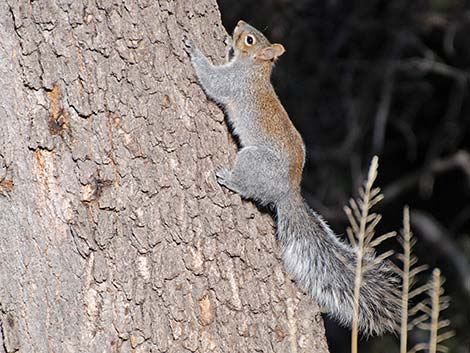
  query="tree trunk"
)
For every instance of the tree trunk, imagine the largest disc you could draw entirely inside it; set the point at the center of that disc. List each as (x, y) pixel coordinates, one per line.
(114, 235)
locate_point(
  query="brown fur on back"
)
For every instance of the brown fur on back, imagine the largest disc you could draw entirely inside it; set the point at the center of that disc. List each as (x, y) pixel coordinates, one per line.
(277, 125)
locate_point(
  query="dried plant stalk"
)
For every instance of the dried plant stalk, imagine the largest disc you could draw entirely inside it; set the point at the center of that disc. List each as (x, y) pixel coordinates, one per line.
(361, 234)
(408, 274)
(406, 280)
(430, 319)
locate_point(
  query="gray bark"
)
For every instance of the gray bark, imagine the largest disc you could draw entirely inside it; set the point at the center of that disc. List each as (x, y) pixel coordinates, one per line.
(114, 235)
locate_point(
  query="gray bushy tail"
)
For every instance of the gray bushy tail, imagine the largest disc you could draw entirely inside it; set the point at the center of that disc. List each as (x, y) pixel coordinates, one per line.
(324, 267)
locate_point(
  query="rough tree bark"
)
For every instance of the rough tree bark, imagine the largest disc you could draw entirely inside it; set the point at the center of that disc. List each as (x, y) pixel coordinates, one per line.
(114, 235)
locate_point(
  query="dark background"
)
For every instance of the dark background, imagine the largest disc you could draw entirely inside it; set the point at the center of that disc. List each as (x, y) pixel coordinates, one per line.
(389, 78)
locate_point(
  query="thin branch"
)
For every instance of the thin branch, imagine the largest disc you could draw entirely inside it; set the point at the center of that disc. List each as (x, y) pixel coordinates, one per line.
(429, 65)
(383, 110)
(461, 160)
(438, 236)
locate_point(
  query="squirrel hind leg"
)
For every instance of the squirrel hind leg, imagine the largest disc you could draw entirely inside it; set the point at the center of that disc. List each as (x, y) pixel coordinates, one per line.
(224, 178)
(259, 174)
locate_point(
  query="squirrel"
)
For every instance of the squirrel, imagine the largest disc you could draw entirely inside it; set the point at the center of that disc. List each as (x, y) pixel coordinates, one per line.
(268, 170)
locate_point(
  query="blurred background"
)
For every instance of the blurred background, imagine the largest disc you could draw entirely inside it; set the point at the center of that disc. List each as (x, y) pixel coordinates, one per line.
(390, 78)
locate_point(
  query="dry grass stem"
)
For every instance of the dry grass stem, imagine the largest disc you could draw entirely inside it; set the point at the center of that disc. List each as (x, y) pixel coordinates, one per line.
(430, 319)
(361, 236)
(408, 274)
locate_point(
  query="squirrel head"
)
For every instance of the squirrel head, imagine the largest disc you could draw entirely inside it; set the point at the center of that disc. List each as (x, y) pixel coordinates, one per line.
(249, 43)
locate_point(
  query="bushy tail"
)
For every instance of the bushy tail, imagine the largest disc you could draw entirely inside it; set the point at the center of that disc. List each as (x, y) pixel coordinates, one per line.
(324, 266)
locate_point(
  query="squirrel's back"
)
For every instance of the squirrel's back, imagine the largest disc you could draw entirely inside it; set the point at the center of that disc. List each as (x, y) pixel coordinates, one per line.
(276, 124)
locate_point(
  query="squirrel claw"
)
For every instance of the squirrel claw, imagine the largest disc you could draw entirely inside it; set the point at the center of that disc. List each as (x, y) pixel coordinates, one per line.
(224, 178)
(188, 45)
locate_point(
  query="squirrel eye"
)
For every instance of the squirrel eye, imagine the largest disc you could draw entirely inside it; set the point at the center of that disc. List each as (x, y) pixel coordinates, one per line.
(249, 40)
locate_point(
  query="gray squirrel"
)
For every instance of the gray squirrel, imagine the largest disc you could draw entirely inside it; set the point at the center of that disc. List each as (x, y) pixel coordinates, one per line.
(268, 170)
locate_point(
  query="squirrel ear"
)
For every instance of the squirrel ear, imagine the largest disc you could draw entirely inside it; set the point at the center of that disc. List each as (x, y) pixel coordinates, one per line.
(272, 52)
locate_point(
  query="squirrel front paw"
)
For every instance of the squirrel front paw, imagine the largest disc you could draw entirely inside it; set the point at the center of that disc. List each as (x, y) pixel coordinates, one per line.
(188, 46)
